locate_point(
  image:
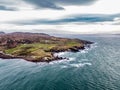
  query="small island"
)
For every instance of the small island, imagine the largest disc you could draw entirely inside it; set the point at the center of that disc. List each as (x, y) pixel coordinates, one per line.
(37, 47)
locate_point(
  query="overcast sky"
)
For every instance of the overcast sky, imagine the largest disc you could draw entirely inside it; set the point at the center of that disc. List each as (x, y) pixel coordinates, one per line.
(60, 16)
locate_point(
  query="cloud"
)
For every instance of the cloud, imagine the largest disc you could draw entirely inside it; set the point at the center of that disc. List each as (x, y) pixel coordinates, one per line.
(78, 19)
(38, 4)
(62, 29)
(58, 4)
(44, 4)
(9, 5)
(6, 8)
(14, 5)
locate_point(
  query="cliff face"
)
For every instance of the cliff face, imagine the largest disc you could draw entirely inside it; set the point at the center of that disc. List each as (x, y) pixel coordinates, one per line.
(37, 46)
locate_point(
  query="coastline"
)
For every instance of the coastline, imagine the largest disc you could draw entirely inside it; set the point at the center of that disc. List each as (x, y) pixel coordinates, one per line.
(45, 59)
(38, 47)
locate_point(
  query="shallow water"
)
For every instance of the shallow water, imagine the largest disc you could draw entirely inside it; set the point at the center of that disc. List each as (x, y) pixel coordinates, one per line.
(97, 68)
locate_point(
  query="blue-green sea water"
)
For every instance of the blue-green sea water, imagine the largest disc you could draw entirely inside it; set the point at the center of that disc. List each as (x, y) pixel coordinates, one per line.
(97, 68)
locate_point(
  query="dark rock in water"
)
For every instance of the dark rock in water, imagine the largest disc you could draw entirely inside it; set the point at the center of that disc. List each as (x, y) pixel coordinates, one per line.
(74, 49)
(87, 42)
(88, 45)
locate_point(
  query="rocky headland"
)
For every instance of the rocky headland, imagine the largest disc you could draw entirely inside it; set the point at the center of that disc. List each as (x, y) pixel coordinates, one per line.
(37, 47)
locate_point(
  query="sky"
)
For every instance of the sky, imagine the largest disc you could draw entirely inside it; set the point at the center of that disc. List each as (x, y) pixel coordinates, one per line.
(60, 16)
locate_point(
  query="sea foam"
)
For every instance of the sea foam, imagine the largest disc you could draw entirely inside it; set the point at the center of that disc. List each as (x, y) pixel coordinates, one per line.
(80, 65)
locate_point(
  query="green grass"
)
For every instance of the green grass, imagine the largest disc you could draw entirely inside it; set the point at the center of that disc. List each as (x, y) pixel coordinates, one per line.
(39, 50)
(30, 47)
(35, 50)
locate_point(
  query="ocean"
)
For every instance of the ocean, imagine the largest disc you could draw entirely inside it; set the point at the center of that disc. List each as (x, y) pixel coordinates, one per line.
(95, 68)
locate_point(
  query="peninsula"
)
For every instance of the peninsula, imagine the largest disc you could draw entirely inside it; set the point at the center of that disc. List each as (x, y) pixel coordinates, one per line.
(37, 47)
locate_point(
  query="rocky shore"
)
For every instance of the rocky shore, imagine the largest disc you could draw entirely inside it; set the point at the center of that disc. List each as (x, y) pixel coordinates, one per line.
(36, 47)
(45, 59)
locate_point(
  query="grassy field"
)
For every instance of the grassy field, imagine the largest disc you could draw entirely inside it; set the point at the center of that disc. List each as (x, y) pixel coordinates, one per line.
(39, 50)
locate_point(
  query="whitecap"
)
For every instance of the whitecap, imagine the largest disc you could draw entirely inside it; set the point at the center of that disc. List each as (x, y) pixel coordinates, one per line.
(86, 50)
(71, 59)
(59, 54)
(83, 51)
(83, 60)
(80, 65)
(94, 45)
(64, 66)
(58, 61)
